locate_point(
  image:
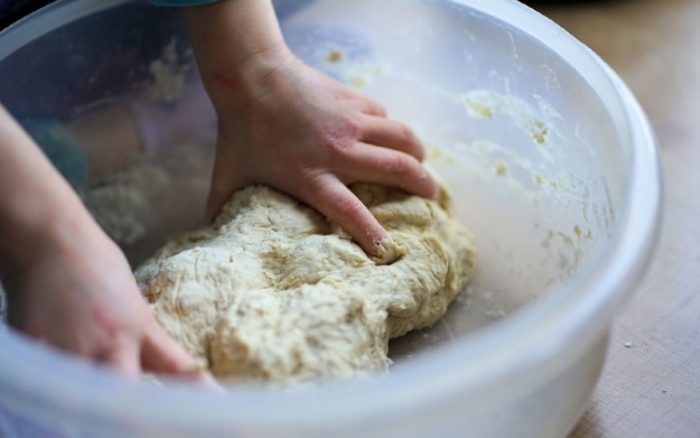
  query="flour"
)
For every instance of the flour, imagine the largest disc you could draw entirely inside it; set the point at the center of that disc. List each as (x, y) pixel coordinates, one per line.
(272, 291)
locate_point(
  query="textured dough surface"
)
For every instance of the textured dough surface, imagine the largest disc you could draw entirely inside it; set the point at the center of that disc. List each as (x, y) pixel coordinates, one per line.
(272, 291)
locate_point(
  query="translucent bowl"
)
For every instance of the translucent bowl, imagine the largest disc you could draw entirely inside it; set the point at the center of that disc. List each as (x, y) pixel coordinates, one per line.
(551, 160)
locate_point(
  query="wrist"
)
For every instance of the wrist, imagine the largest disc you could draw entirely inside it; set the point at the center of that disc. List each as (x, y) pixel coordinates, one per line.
(37, 206)
(48, 232)
(249, 82)
(237, 45)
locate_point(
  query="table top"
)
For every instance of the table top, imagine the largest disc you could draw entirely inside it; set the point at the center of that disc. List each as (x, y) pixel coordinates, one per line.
(651, 382)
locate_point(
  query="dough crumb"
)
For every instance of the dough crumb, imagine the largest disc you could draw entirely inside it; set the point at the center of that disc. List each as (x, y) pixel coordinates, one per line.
(334, 56)
(273, 292)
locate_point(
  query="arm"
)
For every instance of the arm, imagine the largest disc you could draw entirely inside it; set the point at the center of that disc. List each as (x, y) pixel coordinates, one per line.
(287, 125)
(67, 283)
(37, 204)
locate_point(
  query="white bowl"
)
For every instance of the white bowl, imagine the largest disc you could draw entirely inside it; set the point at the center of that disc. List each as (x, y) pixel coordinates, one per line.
(554, 168)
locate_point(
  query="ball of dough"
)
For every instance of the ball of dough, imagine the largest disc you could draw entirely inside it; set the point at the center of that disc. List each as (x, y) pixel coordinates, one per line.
(272, 291)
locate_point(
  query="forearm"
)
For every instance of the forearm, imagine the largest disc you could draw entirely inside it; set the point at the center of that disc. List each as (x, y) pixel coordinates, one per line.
(36, 203)
(236, 42)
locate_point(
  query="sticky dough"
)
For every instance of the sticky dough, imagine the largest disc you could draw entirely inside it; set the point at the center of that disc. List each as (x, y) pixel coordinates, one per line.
(272, 291)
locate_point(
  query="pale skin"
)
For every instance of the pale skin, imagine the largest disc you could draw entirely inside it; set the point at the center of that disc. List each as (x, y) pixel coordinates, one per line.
(284, 124)
(67, 283)
(281, 123)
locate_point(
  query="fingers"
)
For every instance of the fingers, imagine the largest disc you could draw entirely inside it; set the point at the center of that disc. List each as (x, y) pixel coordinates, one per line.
(369, 163)
(370, 106)
(391, 134)
(161, 354)
(203, 378)
(334, 200)
(124, 357)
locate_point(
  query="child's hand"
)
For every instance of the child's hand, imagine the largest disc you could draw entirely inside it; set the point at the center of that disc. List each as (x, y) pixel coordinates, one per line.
(78, 294)
(287, 125)
(66, 283)
(306, 134)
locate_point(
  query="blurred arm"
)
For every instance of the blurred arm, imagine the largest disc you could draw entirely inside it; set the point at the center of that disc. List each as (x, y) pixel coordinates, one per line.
(36, 203)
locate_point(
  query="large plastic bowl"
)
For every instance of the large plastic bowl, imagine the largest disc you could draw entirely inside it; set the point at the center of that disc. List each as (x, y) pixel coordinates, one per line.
(552, 163)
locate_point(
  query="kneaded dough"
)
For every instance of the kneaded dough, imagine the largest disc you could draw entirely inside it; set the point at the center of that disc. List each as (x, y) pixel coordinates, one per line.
(272, 291)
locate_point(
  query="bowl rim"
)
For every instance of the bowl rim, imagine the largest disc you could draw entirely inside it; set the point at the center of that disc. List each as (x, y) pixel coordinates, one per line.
(476, 364)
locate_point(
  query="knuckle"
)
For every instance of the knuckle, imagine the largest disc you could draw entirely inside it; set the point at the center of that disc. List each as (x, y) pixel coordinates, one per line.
(340, 135)
(405, 134)
(340, 147)
(310, 186)
(379, 109)
(347, 205)
(400, 164)
(352, 128)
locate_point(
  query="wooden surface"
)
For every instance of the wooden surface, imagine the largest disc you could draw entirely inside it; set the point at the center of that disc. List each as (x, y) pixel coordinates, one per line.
(651, 388)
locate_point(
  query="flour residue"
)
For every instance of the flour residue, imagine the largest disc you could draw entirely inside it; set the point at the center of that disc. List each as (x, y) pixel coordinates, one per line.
(168, 75)
(486, 104)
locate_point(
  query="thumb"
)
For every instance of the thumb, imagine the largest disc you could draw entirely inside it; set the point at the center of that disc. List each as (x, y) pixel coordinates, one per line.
(224, 181)
(161, 354)
(334, 200)
(124, 357)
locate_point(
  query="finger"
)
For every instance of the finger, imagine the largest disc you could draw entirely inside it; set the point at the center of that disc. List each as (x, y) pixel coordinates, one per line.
(220, 188)
(224, 182)
(124, 357)
(369, 163)
(161, 354)
(370, 106)
(334, 200)
(203, 378)
(391, 134)
(224, 179)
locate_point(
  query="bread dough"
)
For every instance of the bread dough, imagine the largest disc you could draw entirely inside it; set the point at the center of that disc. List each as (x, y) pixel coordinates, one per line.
(272, 291)
(123, 204)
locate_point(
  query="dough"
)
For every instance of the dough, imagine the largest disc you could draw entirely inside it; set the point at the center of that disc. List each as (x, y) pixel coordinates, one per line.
(272, 291)
(123, 204)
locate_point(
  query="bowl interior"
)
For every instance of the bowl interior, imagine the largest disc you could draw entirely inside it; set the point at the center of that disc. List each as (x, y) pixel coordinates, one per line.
(522, 140)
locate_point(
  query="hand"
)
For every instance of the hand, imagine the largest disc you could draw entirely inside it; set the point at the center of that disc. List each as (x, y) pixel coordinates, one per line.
(66, 282)
(284, 124)
(79, 295)
(307, 135)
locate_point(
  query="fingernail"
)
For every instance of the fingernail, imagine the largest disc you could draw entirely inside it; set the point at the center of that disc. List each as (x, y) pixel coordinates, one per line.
(426, 176)
(387, 251)
(378, 241)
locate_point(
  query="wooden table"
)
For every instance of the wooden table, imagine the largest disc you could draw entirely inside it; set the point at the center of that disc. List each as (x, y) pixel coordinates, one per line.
(651, 388)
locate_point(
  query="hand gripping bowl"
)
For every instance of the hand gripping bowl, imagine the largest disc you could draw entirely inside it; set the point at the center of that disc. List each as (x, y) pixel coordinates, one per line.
(551, 161)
